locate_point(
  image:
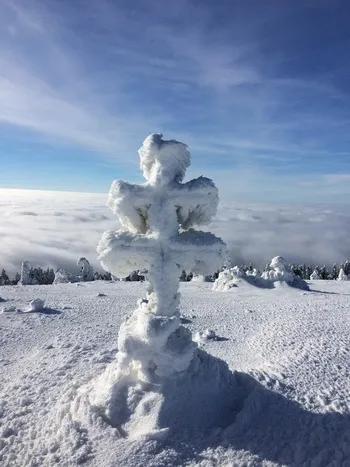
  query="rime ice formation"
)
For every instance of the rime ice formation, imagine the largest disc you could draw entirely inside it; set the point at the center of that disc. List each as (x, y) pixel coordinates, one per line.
(61, 277)
(278, 274)
(152, 215)
(86, 270)
(228, 278)
(25, 274)
(342, 276)
(281, 272)
(157, 219)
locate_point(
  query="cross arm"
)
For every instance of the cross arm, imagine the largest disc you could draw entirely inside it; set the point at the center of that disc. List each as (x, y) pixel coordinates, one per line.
(130, 202)
(197, 251)
(196, 202)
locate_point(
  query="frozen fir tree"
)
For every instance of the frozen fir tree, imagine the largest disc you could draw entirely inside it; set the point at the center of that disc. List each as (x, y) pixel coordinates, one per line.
(156, 353)
(26, 278)
(315, 276)
(4, 278)
(86, 271)
(276, 273)
(280, 271)
(16, 279)
(342, 276)
(61, 277)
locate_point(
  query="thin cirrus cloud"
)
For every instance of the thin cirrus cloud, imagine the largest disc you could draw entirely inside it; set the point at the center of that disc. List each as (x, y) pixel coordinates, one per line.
(42, 88)
(101, 75)
(55, 229)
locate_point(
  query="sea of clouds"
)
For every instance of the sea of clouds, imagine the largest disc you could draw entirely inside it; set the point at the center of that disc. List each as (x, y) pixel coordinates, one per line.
(57, 228)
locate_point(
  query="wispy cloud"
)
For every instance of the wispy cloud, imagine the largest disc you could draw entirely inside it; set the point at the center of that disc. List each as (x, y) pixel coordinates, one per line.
(43, 87)
(102, 75)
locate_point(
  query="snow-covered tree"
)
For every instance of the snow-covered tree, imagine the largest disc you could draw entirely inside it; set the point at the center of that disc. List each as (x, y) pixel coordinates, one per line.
(135, 276)
(229, 278)
(16, 279)
(157, 220)
(324, 274)
(342, 276)
(308, 273)
(4, 278)
(281, 271)
(335, 272)
(61, 277)
(315, 276)
(86, 270)
(26, 278)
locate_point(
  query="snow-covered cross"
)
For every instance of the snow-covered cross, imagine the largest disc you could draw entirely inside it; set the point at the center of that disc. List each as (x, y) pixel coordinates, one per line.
(158, 236)
(153, 214)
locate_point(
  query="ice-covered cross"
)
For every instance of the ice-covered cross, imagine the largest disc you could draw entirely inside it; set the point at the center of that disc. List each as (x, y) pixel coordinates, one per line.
(153, 213)
(157, 219)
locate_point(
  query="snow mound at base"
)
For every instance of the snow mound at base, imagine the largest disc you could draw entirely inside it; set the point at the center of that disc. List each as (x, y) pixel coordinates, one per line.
(34, 306)
(280, 274)
(204, 336)
(200, 399)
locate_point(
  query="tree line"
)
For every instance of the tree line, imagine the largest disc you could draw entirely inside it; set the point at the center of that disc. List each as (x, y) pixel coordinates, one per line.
(40, 276)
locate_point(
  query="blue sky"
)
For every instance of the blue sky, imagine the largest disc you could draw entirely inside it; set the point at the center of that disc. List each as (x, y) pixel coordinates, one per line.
(259, 90)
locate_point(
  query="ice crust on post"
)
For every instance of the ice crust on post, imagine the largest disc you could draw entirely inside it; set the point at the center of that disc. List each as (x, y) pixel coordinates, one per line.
(156, 355)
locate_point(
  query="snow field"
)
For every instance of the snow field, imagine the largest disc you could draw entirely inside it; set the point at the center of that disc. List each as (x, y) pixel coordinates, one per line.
(286, 384)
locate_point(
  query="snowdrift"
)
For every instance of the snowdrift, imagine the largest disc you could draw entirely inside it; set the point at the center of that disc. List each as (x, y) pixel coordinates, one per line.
(280, 274)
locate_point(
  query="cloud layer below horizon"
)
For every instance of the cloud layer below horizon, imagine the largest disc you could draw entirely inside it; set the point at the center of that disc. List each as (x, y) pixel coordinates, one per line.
(57, 228)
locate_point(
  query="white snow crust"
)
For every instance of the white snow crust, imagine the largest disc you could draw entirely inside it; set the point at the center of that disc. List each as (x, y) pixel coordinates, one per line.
(286, 377)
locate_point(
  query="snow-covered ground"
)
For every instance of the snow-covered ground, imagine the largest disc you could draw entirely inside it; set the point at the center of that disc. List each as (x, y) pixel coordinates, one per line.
(288, 351)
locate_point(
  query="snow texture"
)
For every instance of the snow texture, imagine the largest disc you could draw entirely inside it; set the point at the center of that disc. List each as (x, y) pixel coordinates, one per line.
(34, 306)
